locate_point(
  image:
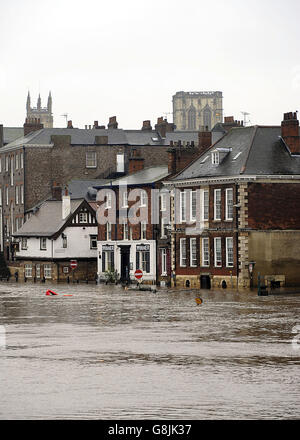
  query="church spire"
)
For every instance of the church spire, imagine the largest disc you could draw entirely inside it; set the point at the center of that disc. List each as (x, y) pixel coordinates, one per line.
(49, 105)
(39, 102)
(28, 103)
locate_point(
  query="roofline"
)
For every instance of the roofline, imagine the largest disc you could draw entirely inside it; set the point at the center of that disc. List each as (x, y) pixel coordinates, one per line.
(213, 179)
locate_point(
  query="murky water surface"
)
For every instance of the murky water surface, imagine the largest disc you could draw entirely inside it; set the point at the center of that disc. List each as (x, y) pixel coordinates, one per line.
(105, 353)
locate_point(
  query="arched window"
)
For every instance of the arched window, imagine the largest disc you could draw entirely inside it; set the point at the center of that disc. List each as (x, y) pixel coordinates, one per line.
(207, 118)
(192, 118)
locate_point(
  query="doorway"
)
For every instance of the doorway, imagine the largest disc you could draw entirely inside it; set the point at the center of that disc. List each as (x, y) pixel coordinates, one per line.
(125, 264)
(205, 283)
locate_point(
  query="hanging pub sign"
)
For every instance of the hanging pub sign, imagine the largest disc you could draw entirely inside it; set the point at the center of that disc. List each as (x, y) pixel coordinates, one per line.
(142, 247)
(108, 247)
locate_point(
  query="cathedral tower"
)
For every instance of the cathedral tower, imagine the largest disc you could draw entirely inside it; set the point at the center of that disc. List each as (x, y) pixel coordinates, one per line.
(197, 110)
(44, 114)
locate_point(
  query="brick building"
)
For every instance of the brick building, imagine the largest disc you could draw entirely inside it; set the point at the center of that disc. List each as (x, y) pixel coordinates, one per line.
(129, 236)
(236, 210)
(31, 164)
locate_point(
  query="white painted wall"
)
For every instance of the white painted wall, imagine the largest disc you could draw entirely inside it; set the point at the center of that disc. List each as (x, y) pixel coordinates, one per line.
(117, 257)
(78, 245)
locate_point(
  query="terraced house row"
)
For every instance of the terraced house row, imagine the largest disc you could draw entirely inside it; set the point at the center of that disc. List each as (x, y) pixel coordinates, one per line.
(228, 204)
(234, 214)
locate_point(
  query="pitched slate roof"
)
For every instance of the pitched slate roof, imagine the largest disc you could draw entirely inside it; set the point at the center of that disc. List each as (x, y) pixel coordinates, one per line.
(144, 177)
(47, 220)
(79, 189)
(256, 150)
(10, 134)
(115, 137)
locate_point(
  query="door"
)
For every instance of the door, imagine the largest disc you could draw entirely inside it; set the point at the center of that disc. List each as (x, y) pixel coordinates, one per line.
(125, 263)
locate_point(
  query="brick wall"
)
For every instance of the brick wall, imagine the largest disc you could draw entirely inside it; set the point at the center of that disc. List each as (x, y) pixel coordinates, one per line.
(274, 206)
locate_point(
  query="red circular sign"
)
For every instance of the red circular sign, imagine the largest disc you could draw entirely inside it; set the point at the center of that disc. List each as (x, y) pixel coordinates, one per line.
(138, 274)
(73, 264)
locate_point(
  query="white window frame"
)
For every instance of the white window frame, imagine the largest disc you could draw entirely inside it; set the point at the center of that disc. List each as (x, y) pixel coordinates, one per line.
(6, 163)
(125, 231)
(12, 160)
(163, 227)
(28, 270)
(108, 231)
(38, 271)
(22, 194)
(22, 160)
(83, 217)
(229, 262)
(163, 202)
(24, 243)
(193, 206)
(0, 196)
(93, 239)
(125, 199)
(205, 205)
(182, 247)
(143, 231)
(218, 251)
(182, 206)
(163, 254)
(17, 195)
(90, 159)
(43, 243)
(17, 161)
(143, 198)
(48, 271)
(205, 252)
(217, 204)
(229, 207)
(215, 158)
(108, 202)
(193, 252)
(7, 196)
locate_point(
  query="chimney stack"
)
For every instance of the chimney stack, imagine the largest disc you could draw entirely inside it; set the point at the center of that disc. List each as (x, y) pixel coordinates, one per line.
(290, 132)
(66, 204)
(163, 127)
(96, 124)
(69, 124)
(136, 163)
(56, 191)
(112, 122)
(181, 156)
(146, 126)
(205, 140)
(32, 124)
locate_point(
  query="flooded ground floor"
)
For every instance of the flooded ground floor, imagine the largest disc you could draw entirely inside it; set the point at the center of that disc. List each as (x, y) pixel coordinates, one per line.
(101, 352)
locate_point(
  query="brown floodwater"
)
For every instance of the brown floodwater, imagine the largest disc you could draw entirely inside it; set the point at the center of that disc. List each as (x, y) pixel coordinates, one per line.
(106, 353)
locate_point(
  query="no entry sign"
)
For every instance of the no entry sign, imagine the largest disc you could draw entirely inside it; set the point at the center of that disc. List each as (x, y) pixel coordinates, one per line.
(138, 274)
(73, 264)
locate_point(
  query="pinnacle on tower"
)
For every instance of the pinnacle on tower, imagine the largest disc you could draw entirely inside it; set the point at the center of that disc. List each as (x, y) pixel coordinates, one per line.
(49, 104)
(39, 102)
(28, 102)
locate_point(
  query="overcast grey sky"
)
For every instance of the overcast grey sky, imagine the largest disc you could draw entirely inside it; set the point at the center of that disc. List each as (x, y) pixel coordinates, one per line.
(127, 58)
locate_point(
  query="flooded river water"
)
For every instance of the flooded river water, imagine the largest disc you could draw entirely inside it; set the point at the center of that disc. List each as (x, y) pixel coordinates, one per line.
(106, 353)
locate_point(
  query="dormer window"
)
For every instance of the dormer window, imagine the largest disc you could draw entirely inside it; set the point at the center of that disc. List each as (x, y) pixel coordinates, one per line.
(215, 158)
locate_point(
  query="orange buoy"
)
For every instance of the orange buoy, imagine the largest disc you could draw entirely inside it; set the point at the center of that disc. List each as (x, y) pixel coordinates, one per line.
(50, 292)
(199, 301)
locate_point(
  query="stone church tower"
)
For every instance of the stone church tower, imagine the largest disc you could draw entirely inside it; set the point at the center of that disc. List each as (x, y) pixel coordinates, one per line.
(197, 110)
(44, 114)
